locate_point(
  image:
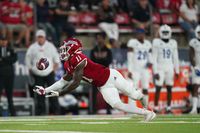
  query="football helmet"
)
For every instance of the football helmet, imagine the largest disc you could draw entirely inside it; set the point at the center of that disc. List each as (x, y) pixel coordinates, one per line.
(197, 32)
(69, 47)
(165, 32)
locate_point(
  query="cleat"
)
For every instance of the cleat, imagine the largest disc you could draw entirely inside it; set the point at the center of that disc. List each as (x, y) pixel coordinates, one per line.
(149, 116)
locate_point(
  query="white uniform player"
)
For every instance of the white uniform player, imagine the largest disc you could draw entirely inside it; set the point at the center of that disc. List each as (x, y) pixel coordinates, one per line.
(195, 62)
(139, 57)
(165, 61)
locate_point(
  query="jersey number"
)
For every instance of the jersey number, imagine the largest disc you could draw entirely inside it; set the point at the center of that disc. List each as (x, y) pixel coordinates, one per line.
(142, 55)
(166, 53)
(78, 58)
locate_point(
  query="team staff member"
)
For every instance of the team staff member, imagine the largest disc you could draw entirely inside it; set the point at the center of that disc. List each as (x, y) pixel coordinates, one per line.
(7, 59)
(102, 55)
(43, 49)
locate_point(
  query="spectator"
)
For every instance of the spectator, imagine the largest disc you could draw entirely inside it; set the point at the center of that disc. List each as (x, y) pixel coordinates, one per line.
(7, 59)
(27, 19)
(2, 25)
(43, 49)
(61, 18)
(188, 19)
(102, 55)
(11, 17)
(43, 14)
(141, 15)
(106, 16)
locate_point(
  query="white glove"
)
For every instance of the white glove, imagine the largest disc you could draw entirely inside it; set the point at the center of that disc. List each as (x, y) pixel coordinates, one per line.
(52, 94)
(39, 90)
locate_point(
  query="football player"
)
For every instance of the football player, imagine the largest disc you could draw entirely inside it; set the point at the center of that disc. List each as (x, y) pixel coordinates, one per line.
(139, 58)
(194, 53)
(165, 61)
(109, 81)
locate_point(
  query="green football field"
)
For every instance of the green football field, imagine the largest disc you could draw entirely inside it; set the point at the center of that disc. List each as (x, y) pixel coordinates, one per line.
(101, 124)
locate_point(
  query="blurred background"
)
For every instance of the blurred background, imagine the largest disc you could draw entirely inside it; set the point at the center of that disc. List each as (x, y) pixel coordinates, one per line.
(85, 19)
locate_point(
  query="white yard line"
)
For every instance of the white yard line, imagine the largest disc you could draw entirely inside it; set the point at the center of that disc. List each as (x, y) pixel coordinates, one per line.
(40, 131)
(174, 122)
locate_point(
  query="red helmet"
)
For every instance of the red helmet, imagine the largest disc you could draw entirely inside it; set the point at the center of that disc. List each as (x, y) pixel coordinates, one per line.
(69, 47)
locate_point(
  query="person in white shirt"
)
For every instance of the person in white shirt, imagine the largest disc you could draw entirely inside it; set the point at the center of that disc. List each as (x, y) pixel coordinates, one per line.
(194, 53)
(165, 62)
(42, 48)
(139, 60)
(188, 19)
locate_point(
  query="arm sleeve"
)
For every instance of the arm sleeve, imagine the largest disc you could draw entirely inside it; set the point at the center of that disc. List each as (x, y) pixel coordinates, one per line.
(176, 59)
(60, 84)
(154, 57)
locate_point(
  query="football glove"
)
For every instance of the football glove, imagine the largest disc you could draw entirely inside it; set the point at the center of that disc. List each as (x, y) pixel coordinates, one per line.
(39, 90)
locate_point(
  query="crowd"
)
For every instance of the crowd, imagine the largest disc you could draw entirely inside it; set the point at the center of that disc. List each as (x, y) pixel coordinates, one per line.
(20, 19)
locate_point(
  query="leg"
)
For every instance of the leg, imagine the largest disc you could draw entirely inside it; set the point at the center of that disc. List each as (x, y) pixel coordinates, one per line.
(53, 101)
(111, 96)
(115, 31)
(169, 98)
(125, 87)
(27, 35)
(157, 96)
(9, 92)
(145, 85)
(52, 31)
(105, 27)
(22, 31)
(159, 84)
(169, 80)
(10, 33)
(40, 108)
(188, 28)
(195, 98)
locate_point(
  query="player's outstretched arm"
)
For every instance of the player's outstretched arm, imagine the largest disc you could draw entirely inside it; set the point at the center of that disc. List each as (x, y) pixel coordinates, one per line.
(76, 79)
(60, 84)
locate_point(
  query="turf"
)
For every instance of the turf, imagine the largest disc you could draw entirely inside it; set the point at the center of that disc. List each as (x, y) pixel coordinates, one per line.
(103, 124)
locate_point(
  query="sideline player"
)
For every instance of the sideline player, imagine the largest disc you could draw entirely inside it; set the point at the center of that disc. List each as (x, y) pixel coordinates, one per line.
(165, 58)
(109, 81)
(194, 53)
(139, 58)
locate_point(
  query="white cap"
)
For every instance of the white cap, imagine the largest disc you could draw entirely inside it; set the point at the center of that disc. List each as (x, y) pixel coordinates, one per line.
(40, 33)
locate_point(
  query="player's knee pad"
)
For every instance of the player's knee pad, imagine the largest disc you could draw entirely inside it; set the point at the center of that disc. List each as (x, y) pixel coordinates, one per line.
(136, 95)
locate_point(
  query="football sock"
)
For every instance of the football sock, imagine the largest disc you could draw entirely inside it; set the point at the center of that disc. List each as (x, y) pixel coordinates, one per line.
(198, 105)
(194, 103)
(168, 108)
(130, 109)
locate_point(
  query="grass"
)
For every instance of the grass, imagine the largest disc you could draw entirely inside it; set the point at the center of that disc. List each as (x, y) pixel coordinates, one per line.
(114, 124)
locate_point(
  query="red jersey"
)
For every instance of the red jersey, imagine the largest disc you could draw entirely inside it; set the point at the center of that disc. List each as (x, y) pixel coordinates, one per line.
(93, 73)
(11, 13)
